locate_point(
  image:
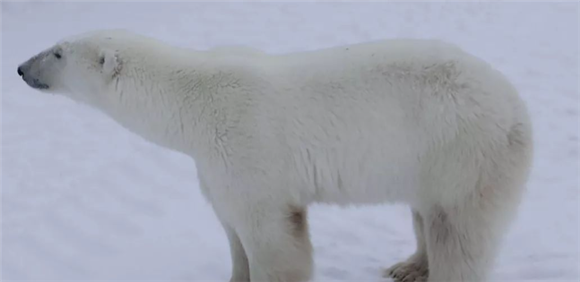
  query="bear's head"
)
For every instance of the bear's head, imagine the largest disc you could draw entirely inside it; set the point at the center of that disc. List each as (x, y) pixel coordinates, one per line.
(117, 72)
(80, 67)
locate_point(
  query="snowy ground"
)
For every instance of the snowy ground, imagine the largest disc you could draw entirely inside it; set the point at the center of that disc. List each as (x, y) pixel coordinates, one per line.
(82, 199)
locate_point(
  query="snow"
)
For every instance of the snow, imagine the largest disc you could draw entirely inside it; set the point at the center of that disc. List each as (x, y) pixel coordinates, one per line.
(83, 199)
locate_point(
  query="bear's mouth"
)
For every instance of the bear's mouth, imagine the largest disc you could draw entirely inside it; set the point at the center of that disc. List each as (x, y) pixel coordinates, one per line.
(35, 83)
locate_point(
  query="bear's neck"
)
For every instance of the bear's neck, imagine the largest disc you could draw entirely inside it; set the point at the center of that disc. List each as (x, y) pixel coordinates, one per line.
(178, 104)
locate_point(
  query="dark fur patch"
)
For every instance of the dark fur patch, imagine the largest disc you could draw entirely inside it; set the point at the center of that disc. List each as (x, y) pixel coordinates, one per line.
(298, 220)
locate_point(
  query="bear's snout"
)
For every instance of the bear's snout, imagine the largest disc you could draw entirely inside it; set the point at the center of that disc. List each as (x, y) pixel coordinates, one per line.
(24, 71)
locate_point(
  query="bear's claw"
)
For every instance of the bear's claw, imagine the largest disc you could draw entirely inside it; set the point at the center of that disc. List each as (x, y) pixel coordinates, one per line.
(408, 271)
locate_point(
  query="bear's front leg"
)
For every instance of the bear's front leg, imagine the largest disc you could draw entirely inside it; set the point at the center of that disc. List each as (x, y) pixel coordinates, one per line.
(240, 266)
(277, 242)
(239, 259)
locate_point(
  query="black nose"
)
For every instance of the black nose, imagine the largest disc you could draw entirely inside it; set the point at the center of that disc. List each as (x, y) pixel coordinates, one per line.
(20, 73)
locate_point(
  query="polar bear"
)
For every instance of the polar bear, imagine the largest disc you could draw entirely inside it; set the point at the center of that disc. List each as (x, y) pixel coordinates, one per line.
(411, 121)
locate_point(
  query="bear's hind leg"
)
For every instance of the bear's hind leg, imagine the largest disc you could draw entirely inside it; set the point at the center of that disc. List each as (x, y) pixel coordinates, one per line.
(463, 233)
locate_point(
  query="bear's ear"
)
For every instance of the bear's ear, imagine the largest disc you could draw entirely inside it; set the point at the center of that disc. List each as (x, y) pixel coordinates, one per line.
(110, 62)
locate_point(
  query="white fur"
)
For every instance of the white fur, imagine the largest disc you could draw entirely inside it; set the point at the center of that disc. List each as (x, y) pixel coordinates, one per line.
(418, 122)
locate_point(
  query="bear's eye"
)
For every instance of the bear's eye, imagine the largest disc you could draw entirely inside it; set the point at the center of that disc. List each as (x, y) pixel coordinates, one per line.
(57, 55)
(102, 60)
